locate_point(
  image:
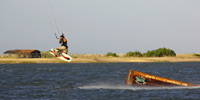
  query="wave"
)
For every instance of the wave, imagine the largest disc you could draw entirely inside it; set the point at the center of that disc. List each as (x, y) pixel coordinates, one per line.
(128, 87)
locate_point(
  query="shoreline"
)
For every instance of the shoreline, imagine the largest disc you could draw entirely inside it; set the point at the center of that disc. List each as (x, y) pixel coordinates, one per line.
(103, 59)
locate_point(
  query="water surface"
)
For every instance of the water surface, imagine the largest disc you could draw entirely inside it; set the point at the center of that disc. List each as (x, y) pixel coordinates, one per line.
(95, 81)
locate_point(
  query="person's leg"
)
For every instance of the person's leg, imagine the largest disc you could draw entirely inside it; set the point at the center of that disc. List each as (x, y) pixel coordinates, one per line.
(63, 49)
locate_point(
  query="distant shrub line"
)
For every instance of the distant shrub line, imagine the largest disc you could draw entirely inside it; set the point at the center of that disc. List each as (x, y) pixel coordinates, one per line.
(111, 54)
(198, 55)
(134, 54)
(161, 52)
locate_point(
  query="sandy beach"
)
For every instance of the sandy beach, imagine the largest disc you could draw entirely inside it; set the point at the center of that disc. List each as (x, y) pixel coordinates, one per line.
(103, 59)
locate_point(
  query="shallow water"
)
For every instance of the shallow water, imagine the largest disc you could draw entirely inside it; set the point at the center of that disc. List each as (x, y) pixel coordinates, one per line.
(95, 81)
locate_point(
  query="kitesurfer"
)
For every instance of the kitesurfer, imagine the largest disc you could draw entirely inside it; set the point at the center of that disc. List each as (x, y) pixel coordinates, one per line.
(63, 42)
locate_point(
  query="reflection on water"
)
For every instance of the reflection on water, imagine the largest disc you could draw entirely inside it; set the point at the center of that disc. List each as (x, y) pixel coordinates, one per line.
(94, 81)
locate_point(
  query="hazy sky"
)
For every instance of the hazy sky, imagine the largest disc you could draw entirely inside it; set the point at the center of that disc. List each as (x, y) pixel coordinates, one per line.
(100, 26)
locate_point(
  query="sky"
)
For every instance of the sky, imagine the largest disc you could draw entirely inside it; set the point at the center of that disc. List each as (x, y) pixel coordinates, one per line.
(101, 26)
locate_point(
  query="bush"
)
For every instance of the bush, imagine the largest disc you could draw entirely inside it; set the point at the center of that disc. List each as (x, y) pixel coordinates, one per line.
(134, 54)
(198, 55)
(111, 54)
(161, 52)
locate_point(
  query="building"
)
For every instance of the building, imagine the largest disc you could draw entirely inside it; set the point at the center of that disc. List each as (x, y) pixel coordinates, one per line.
(24, 53)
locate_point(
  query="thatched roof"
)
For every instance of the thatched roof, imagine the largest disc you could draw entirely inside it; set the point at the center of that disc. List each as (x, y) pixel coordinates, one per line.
(18, 51)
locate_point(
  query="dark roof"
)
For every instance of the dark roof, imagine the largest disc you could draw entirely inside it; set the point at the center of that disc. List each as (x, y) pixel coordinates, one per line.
(18, 51)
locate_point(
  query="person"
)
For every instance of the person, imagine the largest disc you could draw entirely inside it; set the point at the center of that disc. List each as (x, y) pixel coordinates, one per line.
(63, 42)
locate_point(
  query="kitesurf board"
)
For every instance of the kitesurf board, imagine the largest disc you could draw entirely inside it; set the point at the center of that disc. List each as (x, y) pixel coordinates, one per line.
(61, 55)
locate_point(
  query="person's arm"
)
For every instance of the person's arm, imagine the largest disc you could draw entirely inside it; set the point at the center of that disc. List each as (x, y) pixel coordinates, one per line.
(60, 40)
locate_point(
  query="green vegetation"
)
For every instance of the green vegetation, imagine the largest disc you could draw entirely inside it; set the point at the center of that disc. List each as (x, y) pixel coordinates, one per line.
(161, 52)
(134, 54)
(111, 54)
(198, 55)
